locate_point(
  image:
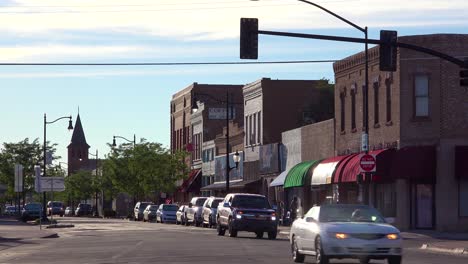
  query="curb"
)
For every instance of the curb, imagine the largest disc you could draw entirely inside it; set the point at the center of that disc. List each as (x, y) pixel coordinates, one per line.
(53, 235)
(59, 226)
(457, 251)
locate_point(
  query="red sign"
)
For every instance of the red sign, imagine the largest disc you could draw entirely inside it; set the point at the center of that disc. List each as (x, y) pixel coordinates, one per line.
(367, 163)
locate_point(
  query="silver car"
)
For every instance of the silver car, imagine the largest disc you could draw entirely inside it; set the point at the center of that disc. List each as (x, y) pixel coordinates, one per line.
(180, 215)
(194, 212)
(210, 207)
(166, 213)
(345, 231)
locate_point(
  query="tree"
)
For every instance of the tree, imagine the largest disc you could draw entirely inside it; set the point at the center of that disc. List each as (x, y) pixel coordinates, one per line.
(144, 169)
(27, 154)
(325, 107)
(79, 186)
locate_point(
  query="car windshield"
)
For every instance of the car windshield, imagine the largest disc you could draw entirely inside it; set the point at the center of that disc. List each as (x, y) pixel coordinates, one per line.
(200, 201)
(170, 207)
(32, 206)
(56, 204)
(254, 202)
(143, 206)
(154, 208)
(215, 203)
(350, 213)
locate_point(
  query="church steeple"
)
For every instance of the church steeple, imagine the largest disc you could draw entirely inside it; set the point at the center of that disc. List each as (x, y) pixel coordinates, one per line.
(78, 137)
(78, 149)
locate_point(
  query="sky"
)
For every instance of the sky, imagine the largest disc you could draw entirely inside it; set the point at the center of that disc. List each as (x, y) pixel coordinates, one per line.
(128, 100)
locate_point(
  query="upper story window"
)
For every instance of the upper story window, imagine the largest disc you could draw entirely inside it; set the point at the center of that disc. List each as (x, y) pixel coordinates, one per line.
(342, 115)
(376, 103)
(353, 107)
(388, 90)
(421, 96)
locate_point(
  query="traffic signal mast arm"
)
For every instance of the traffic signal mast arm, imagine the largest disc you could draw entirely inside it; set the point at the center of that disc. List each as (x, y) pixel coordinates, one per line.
(461, 63)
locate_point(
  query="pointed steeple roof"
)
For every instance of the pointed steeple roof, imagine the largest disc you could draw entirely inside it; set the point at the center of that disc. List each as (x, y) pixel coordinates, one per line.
(78, 137)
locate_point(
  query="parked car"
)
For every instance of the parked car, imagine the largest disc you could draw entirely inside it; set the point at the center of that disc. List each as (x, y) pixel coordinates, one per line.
(210, 208)
(246, 212)
(138, 210)
(55, 208)
(345, 231)
(31, 211)
(83, 209)
(68, 211)
(194, 211)
(11, 210)
(166, 213)
(180, 215)
(149, 214)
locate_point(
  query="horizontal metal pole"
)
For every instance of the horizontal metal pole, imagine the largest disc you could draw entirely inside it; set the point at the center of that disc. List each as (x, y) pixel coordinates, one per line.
(441, 55)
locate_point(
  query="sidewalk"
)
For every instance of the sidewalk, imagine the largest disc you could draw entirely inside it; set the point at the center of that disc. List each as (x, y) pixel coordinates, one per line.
(453, 243)
(12, 229)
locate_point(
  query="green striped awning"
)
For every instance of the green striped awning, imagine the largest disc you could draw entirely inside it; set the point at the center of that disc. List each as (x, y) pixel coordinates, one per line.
(297, 175)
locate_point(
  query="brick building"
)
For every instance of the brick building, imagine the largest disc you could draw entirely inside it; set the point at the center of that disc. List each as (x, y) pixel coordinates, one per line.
(417, 130)
(189, 136)
(271, 107)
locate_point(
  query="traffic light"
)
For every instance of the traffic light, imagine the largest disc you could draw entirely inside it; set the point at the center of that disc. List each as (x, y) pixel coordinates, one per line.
(464, 77)
(388, 50)
(249, 38)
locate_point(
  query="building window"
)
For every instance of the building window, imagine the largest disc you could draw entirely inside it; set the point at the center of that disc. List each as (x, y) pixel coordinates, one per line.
(353, 108)
(376, 103)
(463, 198)
(246, 122)
(342, 116)
(254, 129)
(259, 124)
(421, 96)
(388, 87)
(250, 130)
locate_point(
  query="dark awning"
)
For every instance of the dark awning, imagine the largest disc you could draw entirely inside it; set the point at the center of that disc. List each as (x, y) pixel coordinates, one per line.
(190, 180)
(232, 185)
(461, 162)
(416, 163)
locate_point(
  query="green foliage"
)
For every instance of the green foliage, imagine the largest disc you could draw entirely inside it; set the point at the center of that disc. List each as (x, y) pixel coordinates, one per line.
(143, 169)
(325, 107)
(25, 153)
(79, 186)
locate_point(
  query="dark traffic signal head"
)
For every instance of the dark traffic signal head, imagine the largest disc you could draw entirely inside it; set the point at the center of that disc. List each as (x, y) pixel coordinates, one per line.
(388, 50)
(464, 77)
(249, 38)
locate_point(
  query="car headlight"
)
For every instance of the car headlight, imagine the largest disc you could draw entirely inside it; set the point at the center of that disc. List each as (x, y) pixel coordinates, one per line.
(393, 236)
(273, 218)
(238, 216)
(339, 235)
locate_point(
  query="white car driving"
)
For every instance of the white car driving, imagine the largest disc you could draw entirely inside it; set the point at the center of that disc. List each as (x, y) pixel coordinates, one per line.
(345, 231)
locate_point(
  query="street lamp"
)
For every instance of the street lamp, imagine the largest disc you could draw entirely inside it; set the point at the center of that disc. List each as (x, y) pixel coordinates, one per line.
(70, 127)
(134, 140)
(228, 114)
(96, 194)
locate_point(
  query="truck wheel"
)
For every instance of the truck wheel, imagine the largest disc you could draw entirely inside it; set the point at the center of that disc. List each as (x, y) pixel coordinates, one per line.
(297, 257)
(221, 230)
(272, 235)
(259, 235)
(394, 260)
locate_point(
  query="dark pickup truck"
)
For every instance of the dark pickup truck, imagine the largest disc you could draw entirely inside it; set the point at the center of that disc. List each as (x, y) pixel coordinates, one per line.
(246, 212)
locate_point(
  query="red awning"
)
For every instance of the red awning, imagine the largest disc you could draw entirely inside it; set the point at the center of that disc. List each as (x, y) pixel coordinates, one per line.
(351, 169)
(191, 179)
(416, 163)
(461, 162)
(337, 175)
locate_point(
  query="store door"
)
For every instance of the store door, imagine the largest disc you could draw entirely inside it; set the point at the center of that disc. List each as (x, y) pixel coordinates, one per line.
(423, 206)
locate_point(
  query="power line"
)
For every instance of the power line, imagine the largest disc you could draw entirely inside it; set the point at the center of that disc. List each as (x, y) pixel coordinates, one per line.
(162, 63)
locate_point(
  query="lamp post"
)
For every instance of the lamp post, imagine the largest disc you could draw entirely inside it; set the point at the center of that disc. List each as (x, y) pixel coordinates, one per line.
(96, 194)
(236, 157)
(134, 140)
(70, 127)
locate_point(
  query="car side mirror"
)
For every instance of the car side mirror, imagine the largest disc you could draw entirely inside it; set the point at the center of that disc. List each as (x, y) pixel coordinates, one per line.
(310, 220)
(226, 205)
(275, 207)
(190, 205)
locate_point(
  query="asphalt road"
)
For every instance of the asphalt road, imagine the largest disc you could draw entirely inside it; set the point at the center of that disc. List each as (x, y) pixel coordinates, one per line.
(120, 241)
